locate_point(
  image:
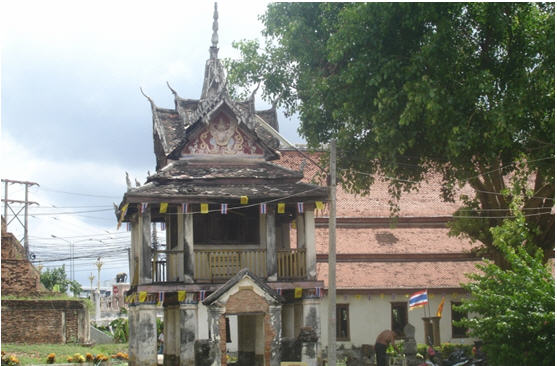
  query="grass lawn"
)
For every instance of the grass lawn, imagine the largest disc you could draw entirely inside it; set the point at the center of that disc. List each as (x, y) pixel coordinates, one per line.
(36, 353)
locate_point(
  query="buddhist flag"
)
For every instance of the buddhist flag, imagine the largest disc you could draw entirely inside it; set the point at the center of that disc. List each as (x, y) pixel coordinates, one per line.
(164, 207)
(262, 208)
(244, 200)
(300, 207)
(297, 292)
(143, 207)
(319, 205)
(440, 308)
(280, 208)
(181, 296)
(418, 299)
(204, 208)
(224, 208)
(142, 296)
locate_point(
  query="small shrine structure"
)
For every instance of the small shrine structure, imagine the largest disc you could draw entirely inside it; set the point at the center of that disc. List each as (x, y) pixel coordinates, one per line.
(228, 213)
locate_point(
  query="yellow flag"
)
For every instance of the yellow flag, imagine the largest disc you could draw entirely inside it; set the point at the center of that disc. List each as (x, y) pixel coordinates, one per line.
(122, 214)
(164, 207)
(181, 296)
(244, 200)
(358, 297)
(440, 308)
(280, 208)
(297, 292)
(142, 296)
(319, 205)
(204, 208)
(293, 224)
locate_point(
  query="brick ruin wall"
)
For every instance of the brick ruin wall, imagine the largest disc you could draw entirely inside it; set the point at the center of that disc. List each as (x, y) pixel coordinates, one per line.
(44, 321)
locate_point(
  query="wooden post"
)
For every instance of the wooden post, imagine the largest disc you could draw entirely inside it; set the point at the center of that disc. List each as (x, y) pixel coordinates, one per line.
(332, 291)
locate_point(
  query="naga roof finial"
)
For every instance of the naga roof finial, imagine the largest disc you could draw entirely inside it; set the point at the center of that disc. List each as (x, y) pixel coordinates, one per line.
(213, 51)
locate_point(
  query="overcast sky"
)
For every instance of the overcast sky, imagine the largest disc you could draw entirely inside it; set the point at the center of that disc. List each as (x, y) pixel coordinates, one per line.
(74, 120)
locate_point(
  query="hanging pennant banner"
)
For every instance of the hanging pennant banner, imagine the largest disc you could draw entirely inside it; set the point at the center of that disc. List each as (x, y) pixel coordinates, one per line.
(244, 200)
(280, 208)
(300, 207)
(161, 298)
(144, 207)
(204, 208)
(318, 291)
(358, 297)
(319, 205)
(142, 296)
(293, 224)
(262, 208)
(279, 291)
(128, 226)
(163, 226)
(164, 207)
(224, 208)
(122, 215)
(181, 296)
(202, 295)
(297, 292)
(185, 207)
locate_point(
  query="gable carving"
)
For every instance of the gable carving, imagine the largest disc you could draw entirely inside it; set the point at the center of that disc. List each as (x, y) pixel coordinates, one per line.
(222, 137)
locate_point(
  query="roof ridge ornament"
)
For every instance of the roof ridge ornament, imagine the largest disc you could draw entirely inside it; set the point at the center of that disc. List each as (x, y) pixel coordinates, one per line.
(213, 51)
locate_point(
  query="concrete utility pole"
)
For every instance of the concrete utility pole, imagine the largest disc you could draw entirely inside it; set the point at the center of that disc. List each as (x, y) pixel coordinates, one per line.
(25, 208)
(332, 292)
(91, 278)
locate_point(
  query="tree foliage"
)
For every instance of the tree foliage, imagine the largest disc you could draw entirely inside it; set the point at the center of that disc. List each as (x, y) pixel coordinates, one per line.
(463, 90)
(55, 279)
(515, 307)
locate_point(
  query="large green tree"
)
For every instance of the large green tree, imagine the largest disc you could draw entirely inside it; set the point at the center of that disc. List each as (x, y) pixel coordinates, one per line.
(464, 90)
(516, 307)
(55, 279)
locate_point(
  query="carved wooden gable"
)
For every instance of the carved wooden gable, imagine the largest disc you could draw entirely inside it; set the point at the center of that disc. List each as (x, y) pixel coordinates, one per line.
(223, 136)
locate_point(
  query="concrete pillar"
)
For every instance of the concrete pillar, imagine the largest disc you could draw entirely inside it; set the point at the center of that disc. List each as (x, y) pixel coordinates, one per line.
(271, 247)
(144, 247)
(189, 269)
(171, 348)
(146, 335)
(214, 314)
(300, 232)
(275, 314)
(132, 335)
(188, 334)
(311, 315)
(309, 230)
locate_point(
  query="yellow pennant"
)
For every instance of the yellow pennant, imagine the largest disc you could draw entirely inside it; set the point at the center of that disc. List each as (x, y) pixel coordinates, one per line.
(280, 208)
(358, 297)
(204, 208)
(181, 296)
(164, 207)
(319, 205)
(142, 296)
(297, 292)
(124, 210)
(244, 200)
(293, 224)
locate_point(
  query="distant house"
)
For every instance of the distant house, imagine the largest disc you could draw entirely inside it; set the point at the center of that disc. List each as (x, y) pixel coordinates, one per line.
(52, 321)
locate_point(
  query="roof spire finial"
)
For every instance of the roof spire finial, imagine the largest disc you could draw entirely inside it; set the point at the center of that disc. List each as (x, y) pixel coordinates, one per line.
(213, 51)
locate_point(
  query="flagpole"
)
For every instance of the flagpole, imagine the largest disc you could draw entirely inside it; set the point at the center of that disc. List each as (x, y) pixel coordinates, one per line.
(428, 307)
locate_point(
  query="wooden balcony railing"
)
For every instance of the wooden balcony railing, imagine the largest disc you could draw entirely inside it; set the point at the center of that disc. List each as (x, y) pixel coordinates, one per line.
(225, 263)
(291, 264)
(221, 264)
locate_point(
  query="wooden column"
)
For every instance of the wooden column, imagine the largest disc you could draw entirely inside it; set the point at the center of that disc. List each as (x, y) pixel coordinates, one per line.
(309, 234)
(180, 246)
(271, 247)
(300, 232)
(189, 267)
(144, 247)
(134, 252)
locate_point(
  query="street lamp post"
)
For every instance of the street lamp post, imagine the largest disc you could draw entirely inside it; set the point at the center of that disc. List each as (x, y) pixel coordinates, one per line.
(98, 294)
(91, 278)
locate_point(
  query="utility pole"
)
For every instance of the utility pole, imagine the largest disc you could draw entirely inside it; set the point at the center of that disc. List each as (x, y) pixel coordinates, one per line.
(98, 294)
(332, 292)
(25, 208)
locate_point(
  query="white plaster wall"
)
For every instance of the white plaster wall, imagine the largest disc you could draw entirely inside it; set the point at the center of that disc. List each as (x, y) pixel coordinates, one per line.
(371, 314)
(203, 328)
